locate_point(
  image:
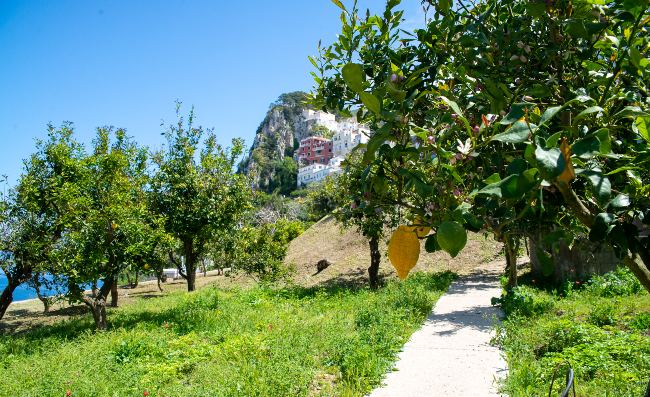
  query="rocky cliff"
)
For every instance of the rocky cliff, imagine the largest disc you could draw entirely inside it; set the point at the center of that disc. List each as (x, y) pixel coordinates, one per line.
(270, 160)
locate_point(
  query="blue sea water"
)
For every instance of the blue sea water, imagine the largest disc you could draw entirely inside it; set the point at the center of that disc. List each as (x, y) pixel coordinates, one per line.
(24, 291)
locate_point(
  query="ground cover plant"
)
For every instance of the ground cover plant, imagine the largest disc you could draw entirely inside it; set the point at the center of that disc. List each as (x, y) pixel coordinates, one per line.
(602, 329)
(336, 340)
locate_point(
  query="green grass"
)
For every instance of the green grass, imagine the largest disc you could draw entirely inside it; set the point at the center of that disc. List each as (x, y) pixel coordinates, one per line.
(601, 329)
(333, 341)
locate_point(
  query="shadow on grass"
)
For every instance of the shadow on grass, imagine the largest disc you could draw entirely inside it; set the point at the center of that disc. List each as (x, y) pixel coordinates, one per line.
(29, 341)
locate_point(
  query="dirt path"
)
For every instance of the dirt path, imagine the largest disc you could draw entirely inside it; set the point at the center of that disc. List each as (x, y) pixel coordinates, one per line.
(451, 354)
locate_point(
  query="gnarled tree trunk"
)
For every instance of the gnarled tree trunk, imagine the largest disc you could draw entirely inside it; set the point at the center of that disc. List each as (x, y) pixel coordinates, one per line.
(7, 296)
(375, 259)
(97, 304)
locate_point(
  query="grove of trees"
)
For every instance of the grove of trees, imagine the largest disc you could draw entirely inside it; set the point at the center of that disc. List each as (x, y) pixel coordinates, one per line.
(83, 216)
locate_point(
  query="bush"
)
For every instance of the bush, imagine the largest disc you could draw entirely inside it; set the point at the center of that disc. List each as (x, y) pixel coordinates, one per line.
(524, 301)
(620, 282)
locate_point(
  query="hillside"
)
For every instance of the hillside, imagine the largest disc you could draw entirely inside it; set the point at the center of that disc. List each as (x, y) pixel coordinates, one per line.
(347, 250)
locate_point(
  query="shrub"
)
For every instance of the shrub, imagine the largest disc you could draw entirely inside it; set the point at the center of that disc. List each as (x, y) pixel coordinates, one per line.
(524, 301)
(620, 282)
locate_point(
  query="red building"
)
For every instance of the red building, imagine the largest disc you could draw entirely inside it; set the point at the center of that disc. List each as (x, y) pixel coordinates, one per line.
(315, 150)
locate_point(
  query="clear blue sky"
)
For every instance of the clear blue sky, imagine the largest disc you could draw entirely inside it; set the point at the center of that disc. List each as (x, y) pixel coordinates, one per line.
(124, 63)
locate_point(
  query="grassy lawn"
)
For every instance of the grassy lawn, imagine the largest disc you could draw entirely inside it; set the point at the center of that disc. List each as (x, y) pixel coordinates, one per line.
(333, 341)
(602, 329)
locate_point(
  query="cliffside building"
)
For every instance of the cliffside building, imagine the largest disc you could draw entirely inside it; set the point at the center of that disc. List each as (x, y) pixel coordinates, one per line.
(314, 150)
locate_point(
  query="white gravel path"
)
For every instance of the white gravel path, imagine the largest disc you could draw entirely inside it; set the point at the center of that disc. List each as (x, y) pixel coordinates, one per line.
(451, 354)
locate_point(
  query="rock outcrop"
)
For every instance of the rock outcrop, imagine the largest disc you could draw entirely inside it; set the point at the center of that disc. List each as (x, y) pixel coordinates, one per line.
(270, 161)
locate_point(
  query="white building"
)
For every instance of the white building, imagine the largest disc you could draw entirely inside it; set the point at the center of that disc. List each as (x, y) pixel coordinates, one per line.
(348, 137)
(317, 172)
(318, 117)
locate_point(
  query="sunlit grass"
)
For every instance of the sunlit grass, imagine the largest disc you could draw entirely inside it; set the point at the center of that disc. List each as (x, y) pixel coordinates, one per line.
(216, 342)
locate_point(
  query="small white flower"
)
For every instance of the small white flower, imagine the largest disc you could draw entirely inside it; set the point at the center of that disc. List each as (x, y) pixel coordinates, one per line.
(552, 79)
(466, 147)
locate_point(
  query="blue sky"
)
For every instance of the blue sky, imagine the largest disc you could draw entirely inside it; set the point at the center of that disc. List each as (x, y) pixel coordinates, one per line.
(124, 63)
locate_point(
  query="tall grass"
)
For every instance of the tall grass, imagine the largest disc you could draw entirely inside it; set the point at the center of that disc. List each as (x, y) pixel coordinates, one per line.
(333, 341)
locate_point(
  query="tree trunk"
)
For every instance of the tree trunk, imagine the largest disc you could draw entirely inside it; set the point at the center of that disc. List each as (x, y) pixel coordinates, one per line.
(137, 278)
(7, 296)
(190, 265)
(159, 284)
(97, 304)
(99, 314)
(375, 259)
(639, 270)
(44, 299)
(511, 247)
(191, 278)
(114, 294)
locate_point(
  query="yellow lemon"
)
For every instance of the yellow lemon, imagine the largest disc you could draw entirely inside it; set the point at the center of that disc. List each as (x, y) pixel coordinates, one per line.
(404, 250)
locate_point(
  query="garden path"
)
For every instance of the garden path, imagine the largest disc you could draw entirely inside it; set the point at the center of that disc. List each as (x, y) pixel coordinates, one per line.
(451, 354)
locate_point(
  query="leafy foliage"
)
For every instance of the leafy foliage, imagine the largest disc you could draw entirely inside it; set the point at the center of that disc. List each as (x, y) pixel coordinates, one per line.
(516, 116)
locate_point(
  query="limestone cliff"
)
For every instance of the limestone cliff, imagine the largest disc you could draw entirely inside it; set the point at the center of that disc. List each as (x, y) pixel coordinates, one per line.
(270, 159)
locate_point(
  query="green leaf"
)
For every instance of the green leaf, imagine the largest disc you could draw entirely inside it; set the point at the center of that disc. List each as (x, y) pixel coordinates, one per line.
(517, 166)
(375, 141)
(517, 133)
(631, 111)
(605, 142)
(494, 178)
(549, 114)
(642, 125)
(598, 231)
(586, 148)
(453, 105)
(635, 57)
(620, 201)
(517, 111)
(431, 244)
(371, 102)
(339, 4)
(354, 76)
(550, 161)
(553, 139)
(451, 237)
(587, 112)
(601, 185)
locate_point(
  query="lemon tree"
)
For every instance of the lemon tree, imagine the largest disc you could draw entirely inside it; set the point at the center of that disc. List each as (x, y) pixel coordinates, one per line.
(519, 118)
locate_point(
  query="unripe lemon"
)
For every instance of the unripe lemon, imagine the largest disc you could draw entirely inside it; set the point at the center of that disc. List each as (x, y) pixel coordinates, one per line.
(404, 250)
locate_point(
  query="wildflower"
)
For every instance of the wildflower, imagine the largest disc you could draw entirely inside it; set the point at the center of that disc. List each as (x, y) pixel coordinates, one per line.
(476, 129)
(145, 394)
(393, 78)
(68, 393)
(456, 192)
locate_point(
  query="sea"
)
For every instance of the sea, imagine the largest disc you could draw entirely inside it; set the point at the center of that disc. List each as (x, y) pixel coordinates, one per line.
(24, 291)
